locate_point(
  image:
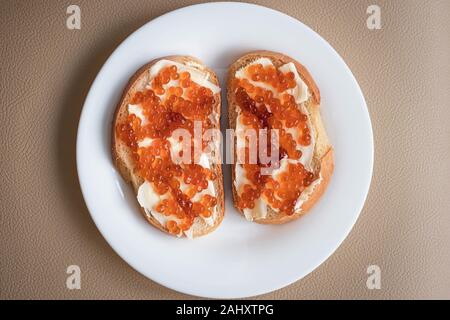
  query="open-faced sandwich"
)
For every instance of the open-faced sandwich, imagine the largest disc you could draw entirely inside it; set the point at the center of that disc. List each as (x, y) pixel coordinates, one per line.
(165, 97)
(272, 93)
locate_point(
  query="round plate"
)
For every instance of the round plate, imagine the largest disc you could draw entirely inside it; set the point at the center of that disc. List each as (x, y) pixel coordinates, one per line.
(240, 258)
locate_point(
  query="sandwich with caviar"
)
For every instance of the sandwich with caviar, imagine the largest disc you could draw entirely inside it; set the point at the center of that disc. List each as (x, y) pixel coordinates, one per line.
(273, 93)
(182, 198)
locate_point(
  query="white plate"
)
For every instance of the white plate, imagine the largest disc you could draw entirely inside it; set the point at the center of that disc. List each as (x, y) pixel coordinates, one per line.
(240, 258)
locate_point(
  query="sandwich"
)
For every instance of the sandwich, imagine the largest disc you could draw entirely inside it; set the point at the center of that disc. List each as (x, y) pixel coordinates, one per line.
(174, 173)
(275, 98)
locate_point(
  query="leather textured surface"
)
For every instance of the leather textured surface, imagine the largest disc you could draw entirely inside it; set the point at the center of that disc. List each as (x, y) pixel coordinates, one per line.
(403, 70)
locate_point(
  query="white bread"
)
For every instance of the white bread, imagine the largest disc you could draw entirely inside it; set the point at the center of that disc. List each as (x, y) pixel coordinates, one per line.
(323, 160)
(121, 154)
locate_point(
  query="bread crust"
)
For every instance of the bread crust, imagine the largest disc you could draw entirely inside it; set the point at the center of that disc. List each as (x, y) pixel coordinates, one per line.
(121, 153)
(323, 152)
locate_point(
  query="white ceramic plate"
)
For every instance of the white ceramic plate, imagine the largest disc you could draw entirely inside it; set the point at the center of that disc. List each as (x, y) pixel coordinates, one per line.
(240, 258)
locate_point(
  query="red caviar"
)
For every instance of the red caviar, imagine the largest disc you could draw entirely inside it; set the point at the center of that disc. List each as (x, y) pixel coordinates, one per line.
(183, 103)
(261, 110)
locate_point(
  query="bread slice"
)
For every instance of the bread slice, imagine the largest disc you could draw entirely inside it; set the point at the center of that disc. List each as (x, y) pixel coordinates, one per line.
(121, 154)
(323, 160)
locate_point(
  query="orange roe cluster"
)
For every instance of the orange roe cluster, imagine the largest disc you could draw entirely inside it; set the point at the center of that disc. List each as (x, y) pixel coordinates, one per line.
(261, 110)
(173, 101)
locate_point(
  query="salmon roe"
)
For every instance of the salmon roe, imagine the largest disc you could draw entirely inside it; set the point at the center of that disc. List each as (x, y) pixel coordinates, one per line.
(261, 110)
(171, 101)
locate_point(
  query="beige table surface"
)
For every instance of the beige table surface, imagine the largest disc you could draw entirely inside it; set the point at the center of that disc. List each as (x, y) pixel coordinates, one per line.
(403, 70)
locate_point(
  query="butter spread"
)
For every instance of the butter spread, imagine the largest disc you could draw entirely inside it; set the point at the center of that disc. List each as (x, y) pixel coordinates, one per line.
(199, 77)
